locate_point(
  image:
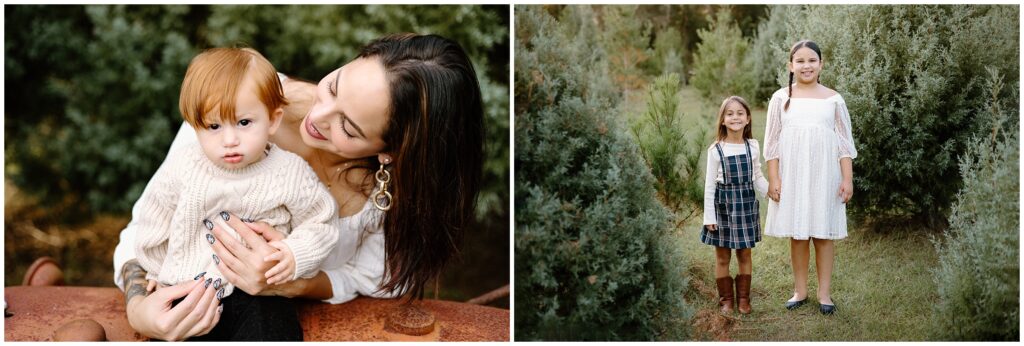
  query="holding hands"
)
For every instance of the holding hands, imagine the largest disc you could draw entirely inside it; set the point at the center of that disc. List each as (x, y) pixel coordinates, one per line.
(774, 189)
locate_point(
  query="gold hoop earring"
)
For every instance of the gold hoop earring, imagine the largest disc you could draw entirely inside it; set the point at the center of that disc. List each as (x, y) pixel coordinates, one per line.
(383, 178)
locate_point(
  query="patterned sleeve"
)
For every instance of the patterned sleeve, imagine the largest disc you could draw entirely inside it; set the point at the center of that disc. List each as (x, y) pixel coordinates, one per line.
(773, 128)
(844, 131)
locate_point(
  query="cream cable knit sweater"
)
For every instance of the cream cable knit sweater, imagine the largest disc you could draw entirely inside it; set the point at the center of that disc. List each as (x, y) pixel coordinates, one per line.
(281, 189)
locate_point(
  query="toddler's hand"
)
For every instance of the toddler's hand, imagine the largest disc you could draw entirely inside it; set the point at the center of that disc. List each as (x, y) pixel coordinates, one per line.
(712, 227)
(152, 285)
(265, 230)
(285, 268)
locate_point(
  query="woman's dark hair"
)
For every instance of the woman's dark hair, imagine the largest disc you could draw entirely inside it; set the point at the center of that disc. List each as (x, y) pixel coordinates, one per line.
(435, 136)
(792, 51)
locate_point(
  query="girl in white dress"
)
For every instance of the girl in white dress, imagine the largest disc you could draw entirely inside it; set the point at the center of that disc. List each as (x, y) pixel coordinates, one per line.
(809, 151)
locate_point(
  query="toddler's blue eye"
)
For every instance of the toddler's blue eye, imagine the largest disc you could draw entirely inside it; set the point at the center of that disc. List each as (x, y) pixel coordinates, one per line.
(244, 122)
(214, 126)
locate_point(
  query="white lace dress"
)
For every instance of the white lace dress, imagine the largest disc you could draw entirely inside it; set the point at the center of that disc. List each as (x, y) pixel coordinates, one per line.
(808, 140)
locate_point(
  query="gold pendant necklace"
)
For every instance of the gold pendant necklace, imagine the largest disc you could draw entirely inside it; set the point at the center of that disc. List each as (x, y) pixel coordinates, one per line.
(337, 172)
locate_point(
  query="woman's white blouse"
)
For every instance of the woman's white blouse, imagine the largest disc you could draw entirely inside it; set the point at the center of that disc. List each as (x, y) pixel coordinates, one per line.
(355, 266)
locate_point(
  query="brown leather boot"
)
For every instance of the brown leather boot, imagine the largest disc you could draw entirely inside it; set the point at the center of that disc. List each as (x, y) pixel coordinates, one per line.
(725, 294)
(743, 293)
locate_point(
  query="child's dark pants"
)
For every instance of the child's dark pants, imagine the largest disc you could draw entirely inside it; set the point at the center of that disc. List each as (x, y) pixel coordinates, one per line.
(255, 318)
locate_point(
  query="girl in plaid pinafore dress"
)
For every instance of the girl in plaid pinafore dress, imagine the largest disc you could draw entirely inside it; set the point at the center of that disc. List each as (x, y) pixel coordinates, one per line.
(731, 217)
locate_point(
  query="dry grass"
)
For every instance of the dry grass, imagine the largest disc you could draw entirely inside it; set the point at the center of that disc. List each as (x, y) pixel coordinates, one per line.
(85, 250)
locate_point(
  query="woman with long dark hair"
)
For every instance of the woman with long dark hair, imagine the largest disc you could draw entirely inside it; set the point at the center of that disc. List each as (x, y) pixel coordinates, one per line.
(396, 135)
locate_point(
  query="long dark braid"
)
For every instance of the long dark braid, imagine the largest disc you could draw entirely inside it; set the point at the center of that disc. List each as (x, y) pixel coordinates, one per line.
(790, 91)
(792, 51)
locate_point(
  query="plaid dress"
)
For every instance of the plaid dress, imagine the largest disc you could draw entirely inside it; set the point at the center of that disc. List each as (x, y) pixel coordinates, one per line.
(736, 205)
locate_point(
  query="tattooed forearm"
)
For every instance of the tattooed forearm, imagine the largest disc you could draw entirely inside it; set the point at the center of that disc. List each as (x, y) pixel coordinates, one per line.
(133, 280)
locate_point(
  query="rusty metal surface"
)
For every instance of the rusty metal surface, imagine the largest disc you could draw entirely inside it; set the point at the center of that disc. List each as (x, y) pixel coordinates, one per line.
(39, 310)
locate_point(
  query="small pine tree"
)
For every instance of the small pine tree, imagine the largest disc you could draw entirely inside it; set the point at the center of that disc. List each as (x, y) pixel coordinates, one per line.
(594, 256)
(625, 39)
(979, 260)
(672, 154)
(720, 67)
(668, 52)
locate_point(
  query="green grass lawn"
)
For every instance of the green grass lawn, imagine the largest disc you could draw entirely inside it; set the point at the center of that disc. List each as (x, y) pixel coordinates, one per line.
(882, 285)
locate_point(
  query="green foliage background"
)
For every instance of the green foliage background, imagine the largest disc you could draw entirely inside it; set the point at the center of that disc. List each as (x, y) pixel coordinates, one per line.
(91, 91)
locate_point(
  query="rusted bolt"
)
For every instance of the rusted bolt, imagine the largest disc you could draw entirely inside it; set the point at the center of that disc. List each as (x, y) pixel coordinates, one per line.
(43, 272)
(409, 319)
(80, 330)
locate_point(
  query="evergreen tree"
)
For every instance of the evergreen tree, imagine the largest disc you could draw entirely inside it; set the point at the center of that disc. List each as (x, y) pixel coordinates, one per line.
(594, 256)
(625, 38)
(720, 67)
(672, 153)
(668, 52)
(979, 260)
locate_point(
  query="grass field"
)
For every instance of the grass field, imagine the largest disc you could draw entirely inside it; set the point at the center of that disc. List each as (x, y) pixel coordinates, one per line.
(882, 286)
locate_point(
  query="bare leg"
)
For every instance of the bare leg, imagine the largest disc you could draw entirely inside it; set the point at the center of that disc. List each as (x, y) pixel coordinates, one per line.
(722, 257)
(743, 256)
(824, 258)
(800, 252)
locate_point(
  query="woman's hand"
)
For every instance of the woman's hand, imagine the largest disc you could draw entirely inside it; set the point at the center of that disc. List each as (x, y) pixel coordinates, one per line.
(152, 315)
(774, 189)
(711, 227)
(846, 190)
(241, 265)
